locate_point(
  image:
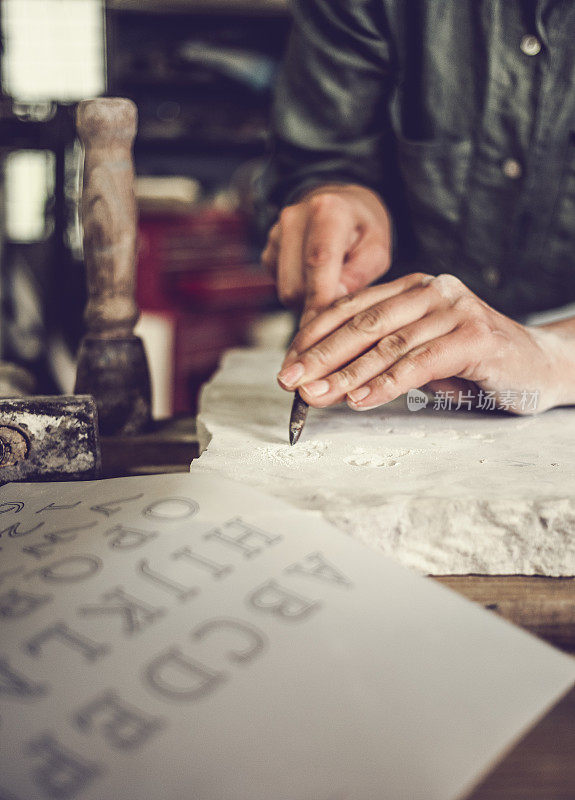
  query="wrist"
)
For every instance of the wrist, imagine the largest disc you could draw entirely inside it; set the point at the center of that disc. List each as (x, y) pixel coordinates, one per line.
(557, 342)
(345, 187)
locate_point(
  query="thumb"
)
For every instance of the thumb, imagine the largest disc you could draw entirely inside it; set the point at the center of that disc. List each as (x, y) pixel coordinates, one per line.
(328, 241)
(368, 261)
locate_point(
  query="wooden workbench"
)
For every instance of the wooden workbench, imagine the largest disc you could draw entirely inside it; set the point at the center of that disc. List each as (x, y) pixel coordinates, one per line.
(542, 765)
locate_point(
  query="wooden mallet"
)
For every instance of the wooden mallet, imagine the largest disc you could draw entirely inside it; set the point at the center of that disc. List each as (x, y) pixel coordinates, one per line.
(112, 364)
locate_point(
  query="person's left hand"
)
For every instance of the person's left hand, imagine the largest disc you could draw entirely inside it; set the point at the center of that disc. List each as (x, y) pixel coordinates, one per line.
(371, 347)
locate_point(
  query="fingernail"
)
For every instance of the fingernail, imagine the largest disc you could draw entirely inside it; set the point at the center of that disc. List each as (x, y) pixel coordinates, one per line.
(290, 376)
(359, 394)
(315, 388)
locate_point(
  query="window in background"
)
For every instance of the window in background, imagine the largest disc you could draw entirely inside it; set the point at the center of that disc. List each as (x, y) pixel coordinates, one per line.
(54, 49)
(30, 179)
(53, 55)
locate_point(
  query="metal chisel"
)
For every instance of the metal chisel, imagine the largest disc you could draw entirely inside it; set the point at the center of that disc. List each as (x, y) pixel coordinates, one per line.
(297, 418)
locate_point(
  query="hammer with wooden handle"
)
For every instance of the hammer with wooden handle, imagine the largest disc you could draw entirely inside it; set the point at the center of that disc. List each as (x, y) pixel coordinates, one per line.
(112, 364)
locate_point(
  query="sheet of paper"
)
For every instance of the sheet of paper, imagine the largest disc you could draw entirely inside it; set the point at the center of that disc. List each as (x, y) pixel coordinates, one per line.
(183, 636)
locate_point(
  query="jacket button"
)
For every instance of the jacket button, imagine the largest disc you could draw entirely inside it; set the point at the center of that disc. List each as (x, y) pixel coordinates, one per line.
(512, 168)
(530, 45)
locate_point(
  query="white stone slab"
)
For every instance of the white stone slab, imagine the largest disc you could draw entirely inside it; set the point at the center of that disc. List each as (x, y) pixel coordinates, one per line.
(441, 492)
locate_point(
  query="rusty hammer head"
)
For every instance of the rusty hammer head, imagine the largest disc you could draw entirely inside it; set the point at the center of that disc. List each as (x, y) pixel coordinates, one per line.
(49, 439)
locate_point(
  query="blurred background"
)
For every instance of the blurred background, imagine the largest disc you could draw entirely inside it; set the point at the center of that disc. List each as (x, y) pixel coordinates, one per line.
(201, 73)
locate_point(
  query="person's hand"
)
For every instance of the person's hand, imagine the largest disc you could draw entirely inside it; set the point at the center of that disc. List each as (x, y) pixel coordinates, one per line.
(333, 241)
(416, 331)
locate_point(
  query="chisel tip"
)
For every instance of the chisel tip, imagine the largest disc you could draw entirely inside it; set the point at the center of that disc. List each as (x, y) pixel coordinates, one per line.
(297, 418)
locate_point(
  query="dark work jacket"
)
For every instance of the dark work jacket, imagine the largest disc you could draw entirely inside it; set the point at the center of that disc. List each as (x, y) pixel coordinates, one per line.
(461, 114)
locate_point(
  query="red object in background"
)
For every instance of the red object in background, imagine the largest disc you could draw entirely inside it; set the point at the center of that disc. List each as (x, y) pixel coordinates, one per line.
(191, 264)
(200, 244)
(199, 343)
(239, 288)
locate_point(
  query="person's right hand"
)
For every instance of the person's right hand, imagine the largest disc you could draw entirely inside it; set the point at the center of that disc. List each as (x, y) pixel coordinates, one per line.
(335, 240)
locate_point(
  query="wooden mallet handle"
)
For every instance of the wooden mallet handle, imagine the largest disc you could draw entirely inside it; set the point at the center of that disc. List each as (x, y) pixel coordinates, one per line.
(107, 127)
(112, 363)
